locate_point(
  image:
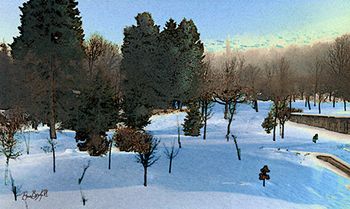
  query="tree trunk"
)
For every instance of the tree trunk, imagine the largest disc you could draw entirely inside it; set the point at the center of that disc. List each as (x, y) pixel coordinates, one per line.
(52, 129)
(305, 101)
(178, 132)
(228, 127)
(275, 122)
(333, 101)
(230, 120)
(53, 158)
(205, 120)
(27, 141)
(290, 103)
(145, 176)
(308, 102)
(344, 105)
(256, 105)
(15, 192)
(319, 106)
(282, 134)
(226, 109)
(330, 96)
(264, 183)
(6, 170)
(237, 149)
(52, 103)
(280, 127)
(170, 162)
(110, 155)
(315, 95)
(202, 105)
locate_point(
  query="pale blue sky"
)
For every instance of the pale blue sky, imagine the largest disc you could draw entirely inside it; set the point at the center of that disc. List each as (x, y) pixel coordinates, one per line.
(250, 23)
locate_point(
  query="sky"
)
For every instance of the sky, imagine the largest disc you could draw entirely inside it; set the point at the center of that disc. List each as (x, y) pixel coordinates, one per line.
(247, 23)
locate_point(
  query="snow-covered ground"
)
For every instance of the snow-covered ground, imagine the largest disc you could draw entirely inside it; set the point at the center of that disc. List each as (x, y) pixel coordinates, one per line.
(206, 174)
(326, 108)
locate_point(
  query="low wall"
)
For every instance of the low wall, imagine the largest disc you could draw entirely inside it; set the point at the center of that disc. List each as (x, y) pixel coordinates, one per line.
(332, 123)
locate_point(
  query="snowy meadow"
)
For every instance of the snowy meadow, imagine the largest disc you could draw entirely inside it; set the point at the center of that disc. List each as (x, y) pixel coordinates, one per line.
(206, 174)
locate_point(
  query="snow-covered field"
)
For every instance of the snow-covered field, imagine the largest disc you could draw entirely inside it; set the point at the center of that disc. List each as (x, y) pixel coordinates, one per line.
(206, 174)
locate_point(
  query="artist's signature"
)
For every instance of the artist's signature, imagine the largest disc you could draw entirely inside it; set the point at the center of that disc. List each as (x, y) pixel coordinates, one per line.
(34, 195)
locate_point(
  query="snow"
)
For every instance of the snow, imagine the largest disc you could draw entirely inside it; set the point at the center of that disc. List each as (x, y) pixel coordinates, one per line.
(206, 174)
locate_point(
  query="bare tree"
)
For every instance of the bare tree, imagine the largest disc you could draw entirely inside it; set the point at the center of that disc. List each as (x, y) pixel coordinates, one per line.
(228, 90)
(171, 154)
(206, 89)
(83, 197)
(249, 78)
(104, 55)
(147, 153)
(277, 75)
(339, 64)
(16, 190)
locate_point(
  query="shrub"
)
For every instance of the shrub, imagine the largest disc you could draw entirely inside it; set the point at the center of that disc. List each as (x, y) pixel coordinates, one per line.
(128, 139)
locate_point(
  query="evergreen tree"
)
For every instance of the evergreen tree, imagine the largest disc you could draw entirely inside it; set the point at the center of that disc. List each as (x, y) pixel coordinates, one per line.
(97, 113)
(49, 48)
(138, 67)
(193, 121)
(169, 55)
(269, 122)
(190, 60)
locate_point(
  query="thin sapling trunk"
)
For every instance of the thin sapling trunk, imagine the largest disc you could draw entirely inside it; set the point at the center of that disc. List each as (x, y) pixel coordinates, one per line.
(178, 132)
(237, 148)
(110, 154)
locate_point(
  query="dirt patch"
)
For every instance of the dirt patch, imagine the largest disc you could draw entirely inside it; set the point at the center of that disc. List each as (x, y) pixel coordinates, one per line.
(335, 163)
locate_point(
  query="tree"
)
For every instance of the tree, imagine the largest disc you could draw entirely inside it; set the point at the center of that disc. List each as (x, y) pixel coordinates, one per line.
(190, 61)
(193, 120)
(97, 113)
(137, 68)
(83, 197)
(228, 89)
(16, 190)
(146, 149)
(104, 55)
(339, 62)
(49, 49)
(168, 64)
(206, 88)
(283, 115)
(277, 87)
(249, 78)
(171, 154)
(277, 115)
(269, 122)
(10, 123)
